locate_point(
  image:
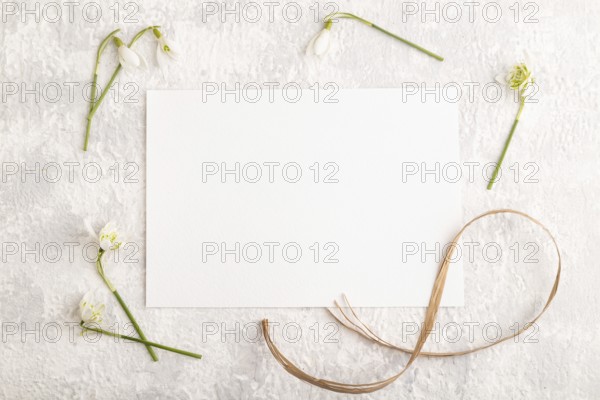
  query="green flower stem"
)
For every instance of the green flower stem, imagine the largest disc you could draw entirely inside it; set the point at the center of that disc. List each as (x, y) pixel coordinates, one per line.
(101, 49)
(136, 326)
(145, 342)
(510, 136)
(92, 101)
(96, 103)
(380, 29)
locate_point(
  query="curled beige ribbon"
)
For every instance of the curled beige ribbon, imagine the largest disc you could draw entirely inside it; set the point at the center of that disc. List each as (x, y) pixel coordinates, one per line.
(354, 323)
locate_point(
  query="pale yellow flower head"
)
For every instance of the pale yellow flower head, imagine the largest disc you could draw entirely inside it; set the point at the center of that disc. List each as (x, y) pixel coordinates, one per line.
(519, 78)
(109, 237)
(91, 309)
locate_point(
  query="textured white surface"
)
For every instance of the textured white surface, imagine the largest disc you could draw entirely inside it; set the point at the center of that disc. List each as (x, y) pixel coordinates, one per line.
(559, 134)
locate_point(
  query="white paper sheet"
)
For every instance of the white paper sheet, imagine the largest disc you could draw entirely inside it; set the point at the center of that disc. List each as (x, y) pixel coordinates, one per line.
(327, 200)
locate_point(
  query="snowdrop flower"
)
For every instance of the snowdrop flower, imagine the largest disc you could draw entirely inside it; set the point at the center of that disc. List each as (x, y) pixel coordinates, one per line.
(520, 80)
(319, 45)
(165, 50)
(91, 309)
(91, 312)
(129, 59)
(109, 237)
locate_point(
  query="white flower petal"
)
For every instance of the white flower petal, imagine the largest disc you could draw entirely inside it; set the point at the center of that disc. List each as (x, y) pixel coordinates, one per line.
(110, 238)
(129, 70)
(105, 244)
(310, 46)
(172, 46)
(128, 57)
(163, 42)
(322, 42)
(143, 63)
(175, 56)
(160, 57)
(122, 61)
(92, 308)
